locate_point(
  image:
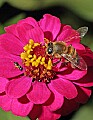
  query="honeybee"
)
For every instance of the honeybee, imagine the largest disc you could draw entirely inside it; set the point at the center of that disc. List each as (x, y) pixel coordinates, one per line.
(18, 66)
(60, 49)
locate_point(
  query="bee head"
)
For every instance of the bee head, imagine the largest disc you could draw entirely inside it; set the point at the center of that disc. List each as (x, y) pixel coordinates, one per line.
(50, 48)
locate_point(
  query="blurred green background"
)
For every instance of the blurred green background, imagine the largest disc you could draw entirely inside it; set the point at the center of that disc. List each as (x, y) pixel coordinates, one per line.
(76, 13)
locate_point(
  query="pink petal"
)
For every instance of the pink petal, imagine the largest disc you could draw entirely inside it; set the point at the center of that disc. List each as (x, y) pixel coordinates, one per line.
(29, 20)
(11, 29)
(64, 87)
(39, 93)
(50, 24)
(68, 107)
(88, 56)
(60, 66)
(57, 101)
(27, 32)
(87, 80)
(3, 82)
(78, 46)
(68, 35)
(83, 94)
(48, 115)
(11, 44)
(5, 102)
(7, 67)
(20, 109)
(35, 112)
(65, 33)
(35, 34)
(18, 87)
(22, 29)
(88, 60)
(66, 27)
(73, 74)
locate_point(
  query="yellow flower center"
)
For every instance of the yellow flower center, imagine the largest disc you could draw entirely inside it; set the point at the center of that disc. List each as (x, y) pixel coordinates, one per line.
(36, 63)
(31, 59)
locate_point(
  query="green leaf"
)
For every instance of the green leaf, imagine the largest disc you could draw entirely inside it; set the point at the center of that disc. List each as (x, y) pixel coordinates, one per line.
(1, 2)
(83, 8)
(88, 41)
(1, 29)
(84, 113)
(25, 4)
(15, 19)
(9, 116)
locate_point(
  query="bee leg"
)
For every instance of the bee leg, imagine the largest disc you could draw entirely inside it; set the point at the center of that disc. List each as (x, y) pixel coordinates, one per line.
(56, 62)
(66, 62)
(73, 66)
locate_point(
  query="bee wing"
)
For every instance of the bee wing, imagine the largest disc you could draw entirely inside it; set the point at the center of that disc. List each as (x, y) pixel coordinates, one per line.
(80, 63)
(81, 32)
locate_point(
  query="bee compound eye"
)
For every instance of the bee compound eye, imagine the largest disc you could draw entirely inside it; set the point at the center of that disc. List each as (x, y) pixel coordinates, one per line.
(21, 68)
(50, 50)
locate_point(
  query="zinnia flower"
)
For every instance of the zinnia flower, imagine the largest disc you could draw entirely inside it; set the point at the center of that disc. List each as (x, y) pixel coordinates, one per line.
(30, 83)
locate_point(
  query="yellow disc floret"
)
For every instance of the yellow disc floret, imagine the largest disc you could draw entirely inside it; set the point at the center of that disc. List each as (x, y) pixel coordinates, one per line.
(49, 67)
(31, 42)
